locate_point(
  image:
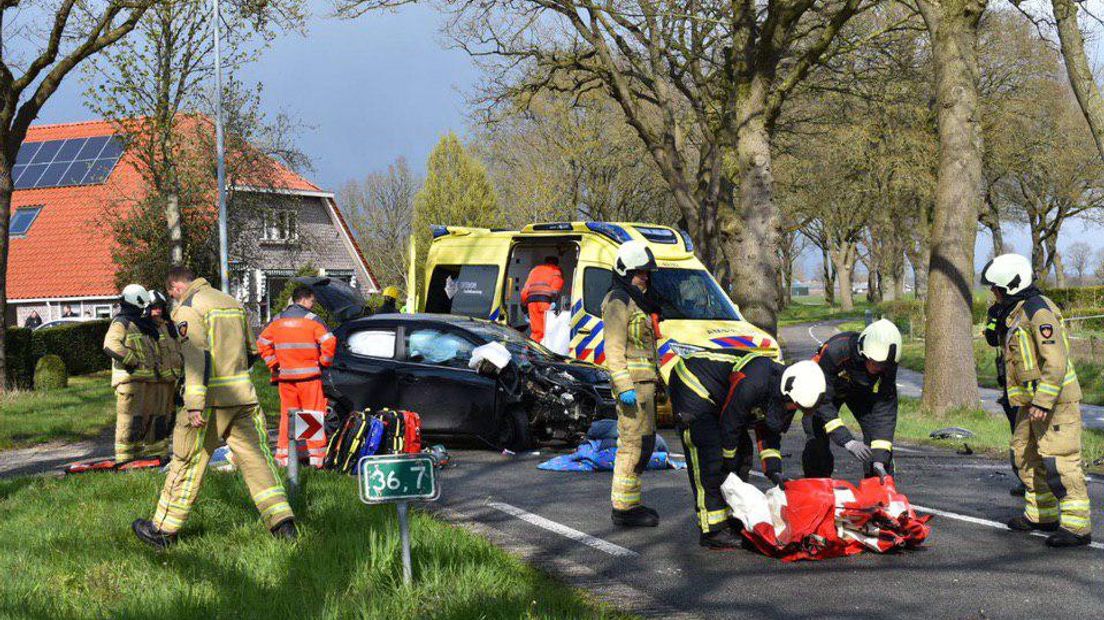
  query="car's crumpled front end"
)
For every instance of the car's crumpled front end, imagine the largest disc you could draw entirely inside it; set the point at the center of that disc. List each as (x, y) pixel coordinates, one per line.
(563, 397)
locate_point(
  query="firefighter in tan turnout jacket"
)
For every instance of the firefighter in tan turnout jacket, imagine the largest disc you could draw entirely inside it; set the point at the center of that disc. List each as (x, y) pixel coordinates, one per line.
(631, 317)
(1042, 383)
(131, 343)
(220, 403)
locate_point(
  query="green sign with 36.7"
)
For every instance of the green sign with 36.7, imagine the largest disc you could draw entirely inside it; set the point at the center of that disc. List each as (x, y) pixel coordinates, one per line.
(397, 477)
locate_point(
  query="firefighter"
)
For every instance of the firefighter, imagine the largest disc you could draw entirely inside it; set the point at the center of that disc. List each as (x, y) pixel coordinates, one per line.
(630, 312)
(1042, 384)
(994, 333)
(295, 346)
(390, 303)
(542, 289)
(220, 403)
(170, 367)
(718, 397)
(861, 370)
(131, 343)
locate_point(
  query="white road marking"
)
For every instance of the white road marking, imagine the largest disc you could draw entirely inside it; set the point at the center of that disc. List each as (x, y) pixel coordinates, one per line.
(563, 530)
(813, 336)
(986, 522)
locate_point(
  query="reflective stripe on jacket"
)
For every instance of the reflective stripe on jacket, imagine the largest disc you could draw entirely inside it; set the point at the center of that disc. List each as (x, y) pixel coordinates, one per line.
(543, 284)
(297, 345)
(133, 354)
(1037, 357)
(630, 343)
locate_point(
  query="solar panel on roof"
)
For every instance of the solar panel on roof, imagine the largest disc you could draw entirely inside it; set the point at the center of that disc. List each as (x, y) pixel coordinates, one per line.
(64, 163)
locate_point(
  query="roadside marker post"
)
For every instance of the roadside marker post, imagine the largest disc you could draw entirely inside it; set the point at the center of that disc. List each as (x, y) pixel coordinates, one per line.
(398, 479)
(305, 426)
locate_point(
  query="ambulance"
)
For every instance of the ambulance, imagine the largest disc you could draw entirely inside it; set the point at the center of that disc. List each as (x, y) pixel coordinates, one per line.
(479, 272)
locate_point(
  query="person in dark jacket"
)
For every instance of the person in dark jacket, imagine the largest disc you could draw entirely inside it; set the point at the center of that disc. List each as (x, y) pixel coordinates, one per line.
(719, 397)
(33, 320)
(861, 369)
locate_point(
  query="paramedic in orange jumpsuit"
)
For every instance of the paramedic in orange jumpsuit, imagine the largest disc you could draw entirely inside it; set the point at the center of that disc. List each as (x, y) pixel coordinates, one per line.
(295, 346)
(542, 289)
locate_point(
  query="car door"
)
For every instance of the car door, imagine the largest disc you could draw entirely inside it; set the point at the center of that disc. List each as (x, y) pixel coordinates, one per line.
(364, 369)
(434, 380)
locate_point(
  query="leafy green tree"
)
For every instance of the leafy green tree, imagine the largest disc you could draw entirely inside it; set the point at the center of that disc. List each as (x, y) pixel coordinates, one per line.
(457, 192)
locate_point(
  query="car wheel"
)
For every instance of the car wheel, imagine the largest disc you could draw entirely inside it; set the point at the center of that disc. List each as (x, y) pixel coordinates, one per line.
(515, 434)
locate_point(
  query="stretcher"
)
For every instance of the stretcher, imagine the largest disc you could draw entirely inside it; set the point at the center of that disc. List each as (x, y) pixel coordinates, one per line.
(820, 518)
(84, 467)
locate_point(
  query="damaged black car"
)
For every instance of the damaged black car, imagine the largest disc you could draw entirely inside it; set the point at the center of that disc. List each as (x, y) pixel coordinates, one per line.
(423, 363)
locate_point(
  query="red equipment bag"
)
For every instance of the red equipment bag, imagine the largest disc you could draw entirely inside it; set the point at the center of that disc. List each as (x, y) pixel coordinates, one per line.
(818, 518)
(412, 432)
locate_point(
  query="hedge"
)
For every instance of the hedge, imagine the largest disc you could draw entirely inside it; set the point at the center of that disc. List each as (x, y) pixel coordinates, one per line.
(20, 360)
(50, 373)
(79, 345)
(1077, 297)
(905, 311)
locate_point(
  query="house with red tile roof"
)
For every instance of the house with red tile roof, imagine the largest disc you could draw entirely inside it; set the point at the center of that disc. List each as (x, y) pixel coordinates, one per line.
(68, 177)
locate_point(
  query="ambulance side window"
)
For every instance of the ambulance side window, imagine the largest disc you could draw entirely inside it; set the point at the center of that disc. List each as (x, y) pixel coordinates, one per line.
(475, 291)
(596, 283)
(438, 300)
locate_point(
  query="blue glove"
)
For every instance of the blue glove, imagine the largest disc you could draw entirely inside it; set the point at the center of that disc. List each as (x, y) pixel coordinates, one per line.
(628, 397)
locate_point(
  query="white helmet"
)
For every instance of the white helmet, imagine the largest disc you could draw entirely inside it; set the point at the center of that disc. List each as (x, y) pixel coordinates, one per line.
(136, 295)
(635, 256)
(1008, 272)
(881, 342)
(804, 383)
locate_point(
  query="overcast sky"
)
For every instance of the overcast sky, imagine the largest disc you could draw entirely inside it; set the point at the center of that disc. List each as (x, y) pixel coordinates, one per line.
(381, 87)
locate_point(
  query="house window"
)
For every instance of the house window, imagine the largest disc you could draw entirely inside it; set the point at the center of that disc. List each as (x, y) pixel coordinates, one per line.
(22, 219)
(102, 312)
(281, 225)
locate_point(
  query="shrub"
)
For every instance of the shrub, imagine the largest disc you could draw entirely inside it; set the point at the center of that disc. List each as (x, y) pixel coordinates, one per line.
(1095, 324)
(50, 373)
(1077, 297)
(20, 359)
(79, 345)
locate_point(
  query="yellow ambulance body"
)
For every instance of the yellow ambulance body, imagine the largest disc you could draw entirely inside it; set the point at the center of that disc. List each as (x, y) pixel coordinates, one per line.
(479, 272)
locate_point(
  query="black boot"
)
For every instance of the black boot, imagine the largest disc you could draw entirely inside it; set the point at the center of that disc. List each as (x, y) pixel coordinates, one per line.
(735, 526)
(1021, 523)
(1066, 538)
(286, 530)
(721, 540)
(637, 516)
(148, 533)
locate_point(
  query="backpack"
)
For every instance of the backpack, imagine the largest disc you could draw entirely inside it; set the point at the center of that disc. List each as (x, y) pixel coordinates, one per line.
(412, 432)
(344, 450)
(393, 434)
(374, 438)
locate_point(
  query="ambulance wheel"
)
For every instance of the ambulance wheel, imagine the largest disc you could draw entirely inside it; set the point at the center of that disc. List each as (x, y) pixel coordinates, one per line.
(515, 434)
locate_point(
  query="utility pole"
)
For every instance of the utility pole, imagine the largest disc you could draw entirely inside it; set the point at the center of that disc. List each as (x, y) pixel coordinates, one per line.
(224, 261)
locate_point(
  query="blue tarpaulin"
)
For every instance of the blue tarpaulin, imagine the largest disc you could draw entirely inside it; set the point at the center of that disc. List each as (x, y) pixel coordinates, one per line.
(600, 448)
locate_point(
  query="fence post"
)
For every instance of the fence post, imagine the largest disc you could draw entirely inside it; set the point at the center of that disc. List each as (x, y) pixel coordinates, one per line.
(293, 456)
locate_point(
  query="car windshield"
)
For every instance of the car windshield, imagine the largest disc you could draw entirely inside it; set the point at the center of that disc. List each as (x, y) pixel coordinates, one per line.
(513, 340)
(692, 294)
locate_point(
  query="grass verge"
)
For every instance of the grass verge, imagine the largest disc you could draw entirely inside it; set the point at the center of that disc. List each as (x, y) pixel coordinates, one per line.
(69, 553)
(82, 410)
(812, 309)
(914, 425)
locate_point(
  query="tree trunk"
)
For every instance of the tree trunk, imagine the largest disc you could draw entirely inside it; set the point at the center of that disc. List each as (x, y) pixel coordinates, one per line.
(829, 276)
(753, 254)
(843, 258)
(1078, 69)
(918, 256)
(176, 236)
(990, 219)
(890, 284)
(950, 378)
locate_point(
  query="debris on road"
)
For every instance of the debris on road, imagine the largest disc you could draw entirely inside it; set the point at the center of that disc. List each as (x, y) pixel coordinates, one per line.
(820, 518)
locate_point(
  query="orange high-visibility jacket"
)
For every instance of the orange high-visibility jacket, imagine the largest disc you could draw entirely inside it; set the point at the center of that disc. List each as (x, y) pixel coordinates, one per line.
(296, 345)
(543, 284)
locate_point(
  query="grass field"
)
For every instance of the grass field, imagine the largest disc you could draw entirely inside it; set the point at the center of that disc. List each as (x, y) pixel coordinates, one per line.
(810, 309)
(69, 553)
(82, 410)
(992, 433)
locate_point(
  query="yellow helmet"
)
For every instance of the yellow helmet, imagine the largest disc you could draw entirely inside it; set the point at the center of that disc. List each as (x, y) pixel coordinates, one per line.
(392, 292)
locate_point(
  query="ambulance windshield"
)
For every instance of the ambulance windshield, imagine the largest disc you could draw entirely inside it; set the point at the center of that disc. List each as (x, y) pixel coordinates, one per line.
(692, 294)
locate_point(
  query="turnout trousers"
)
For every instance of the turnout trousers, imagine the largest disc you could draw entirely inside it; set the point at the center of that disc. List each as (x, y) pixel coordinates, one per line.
(306, 395)
(817, 460)
(243, 429)
(162, 413)
(133, 402)
(707, 468)
(1047, 455)
(636, 430)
